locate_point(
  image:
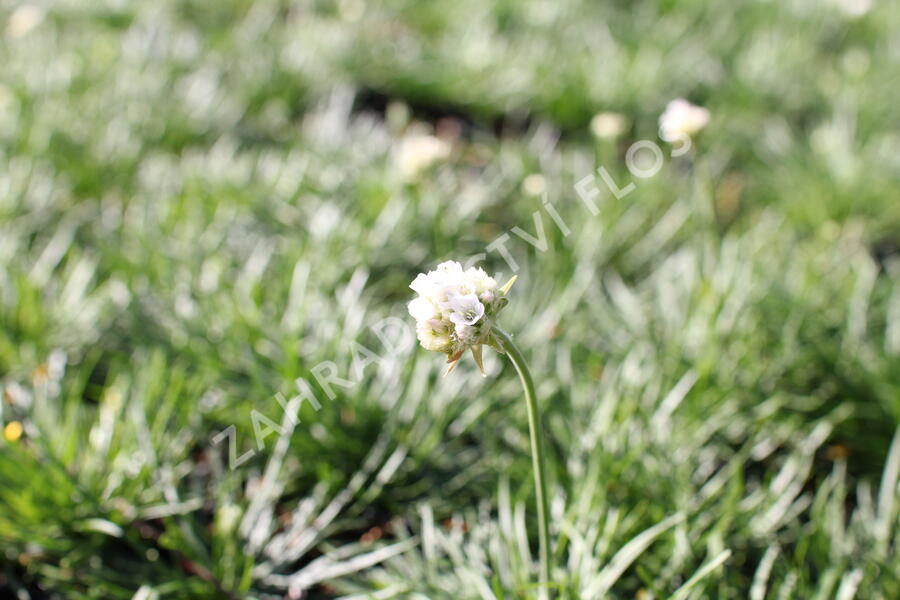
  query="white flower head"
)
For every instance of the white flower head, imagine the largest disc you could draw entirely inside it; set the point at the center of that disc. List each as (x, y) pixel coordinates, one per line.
(681, 118)
(455, 309)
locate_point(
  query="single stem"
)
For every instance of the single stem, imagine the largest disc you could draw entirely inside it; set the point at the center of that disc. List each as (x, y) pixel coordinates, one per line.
(537, 454)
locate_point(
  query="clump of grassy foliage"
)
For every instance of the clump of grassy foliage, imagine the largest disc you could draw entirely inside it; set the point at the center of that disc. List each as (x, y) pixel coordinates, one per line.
(200, 202)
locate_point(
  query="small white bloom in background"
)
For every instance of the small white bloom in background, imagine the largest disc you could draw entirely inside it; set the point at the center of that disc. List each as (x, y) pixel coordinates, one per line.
(682, 119)
(24, 19)
(608, 125)
(455, 310)
(534, 184)
(854, 8)
(417, 151)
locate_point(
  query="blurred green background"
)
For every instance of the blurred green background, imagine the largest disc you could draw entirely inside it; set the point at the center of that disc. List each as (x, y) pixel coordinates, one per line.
(200, 201)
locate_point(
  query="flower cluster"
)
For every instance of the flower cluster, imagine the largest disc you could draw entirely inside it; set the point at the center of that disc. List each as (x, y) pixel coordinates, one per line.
(455, 309)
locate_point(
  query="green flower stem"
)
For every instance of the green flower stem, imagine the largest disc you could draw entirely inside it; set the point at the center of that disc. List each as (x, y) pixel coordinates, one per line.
(537, 453)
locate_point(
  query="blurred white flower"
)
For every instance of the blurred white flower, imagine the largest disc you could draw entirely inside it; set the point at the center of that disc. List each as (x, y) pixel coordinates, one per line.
(25, 18)
(416, 152)
(455, 309)
(534, 184)
(608, 125)
(854, 8)
(682, 119)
